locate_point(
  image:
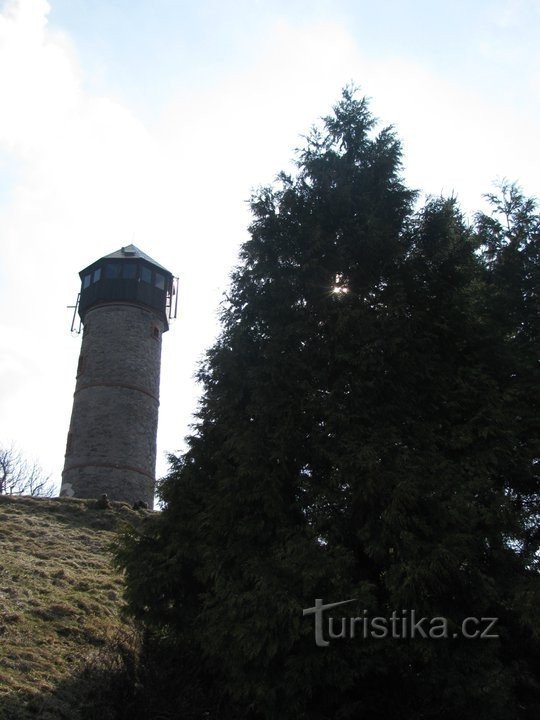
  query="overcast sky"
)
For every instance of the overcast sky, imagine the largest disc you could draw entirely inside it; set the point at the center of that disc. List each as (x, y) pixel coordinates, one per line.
(150, 121)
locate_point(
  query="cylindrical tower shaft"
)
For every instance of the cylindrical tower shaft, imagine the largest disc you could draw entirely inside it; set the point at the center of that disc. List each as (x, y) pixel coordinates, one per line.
(111, 444)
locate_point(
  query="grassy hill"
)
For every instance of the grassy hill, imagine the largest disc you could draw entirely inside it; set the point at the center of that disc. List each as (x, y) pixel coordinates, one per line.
(60, 603)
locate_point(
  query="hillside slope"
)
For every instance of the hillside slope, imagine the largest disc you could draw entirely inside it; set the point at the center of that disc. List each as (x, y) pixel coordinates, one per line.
(60, 602)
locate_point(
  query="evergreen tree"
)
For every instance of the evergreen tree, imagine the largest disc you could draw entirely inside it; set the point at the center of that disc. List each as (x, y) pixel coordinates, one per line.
(510, 239)
(357, 439)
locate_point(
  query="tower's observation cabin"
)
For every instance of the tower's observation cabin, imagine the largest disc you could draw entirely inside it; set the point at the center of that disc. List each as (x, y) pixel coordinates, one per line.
(128, 275)
(125, 304)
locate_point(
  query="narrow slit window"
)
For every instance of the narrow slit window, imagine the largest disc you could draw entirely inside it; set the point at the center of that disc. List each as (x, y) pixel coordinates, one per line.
(86, 280)
(146, 275)
(97, 275)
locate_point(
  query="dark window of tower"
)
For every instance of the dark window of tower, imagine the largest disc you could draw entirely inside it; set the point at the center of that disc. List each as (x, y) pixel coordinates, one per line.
(97, 275)
(155, 332)
(112, 271)
(129, 271)
(86, 280)
(160, 281)
(146, 274)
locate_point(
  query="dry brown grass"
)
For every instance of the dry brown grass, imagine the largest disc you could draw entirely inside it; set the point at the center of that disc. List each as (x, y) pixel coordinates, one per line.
(60, 599)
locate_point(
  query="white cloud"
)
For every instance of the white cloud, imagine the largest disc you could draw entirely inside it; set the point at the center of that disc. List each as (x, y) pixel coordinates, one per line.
(39, 82)
(454, 141)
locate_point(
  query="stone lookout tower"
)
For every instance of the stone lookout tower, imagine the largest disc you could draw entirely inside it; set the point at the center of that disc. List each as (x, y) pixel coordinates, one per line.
(125, 303)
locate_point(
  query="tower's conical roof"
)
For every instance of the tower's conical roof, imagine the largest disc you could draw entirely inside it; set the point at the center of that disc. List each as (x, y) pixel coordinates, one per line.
(131, 251)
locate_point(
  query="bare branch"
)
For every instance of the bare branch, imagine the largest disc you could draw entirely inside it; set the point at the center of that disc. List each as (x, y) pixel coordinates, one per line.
(18, 476)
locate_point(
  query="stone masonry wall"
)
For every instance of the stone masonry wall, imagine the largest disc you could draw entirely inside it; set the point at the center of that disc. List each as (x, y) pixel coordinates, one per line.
(111, 445)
